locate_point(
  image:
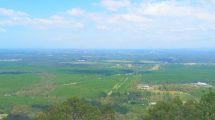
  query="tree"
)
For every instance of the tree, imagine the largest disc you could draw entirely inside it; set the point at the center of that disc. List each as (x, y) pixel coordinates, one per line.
(192, 110)
(167, 110)
(207, 105)
(76, 109)
(57, 112)
(107, 113)
(175, 109)
(80, 110)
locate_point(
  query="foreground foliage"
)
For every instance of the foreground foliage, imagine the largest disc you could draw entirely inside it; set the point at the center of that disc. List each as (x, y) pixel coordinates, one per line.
(172, 109)
(76, 109)
(175, 109)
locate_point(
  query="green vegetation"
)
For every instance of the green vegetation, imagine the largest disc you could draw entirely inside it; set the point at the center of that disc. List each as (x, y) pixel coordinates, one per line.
(175, 109)
(172, 109)
(129, 81)
(76, 109)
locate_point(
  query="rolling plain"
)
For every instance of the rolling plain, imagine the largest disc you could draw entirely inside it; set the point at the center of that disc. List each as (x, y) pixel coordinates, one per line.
(129, 80)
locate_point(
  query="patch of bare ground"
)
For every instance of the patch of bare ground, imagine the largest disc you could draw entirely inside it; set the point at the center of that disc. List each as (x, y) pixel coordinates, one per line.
(73, 83)
(155, 67)
(155, 89)
(117, 86)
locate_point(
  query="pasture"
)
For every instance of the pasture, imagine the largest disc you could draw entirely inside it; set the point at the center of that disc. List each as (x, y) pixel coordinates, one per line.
(39, 78)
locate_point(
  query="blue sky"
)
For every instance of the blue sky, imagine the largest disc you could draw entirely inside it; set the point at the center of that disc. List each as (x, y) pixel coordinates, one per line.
(109, 24)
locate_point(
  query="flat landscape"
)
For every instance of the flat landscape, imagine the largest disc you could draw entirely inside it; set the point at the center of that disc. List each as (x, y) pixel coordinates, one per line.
(107, 60)
(129, 80)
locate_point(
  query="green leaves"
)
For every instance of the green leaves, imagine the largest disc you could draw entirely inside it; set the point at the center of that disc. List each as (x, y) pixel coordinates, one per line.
(175, 109)
(207, 104)
(76, 109)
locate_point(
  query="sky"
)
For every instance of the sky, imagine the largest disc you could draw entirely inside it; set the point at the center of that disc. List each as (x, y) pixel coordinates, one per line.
(107, 24)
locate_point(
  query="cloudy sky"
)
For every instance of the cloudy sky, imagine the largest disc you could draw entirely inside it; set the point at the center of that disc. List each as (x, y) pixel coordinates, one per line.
(109, 24)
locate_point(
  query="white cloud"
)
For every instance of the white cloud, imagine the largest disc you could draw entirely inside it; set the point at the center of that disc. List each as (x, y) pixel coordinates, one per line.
(174, 9)
(169, 16)
(151, 16)
(55, 22)
(17, 18)
(123, 22)
(135, 18)
(114, 5)
(163, 9)
(12, 13)
(76, 12)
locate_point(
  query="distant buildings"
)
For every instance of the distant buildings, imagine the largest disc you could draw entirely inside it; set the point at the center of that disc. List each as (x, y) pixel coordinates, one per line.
(143, 87)
(201, 84)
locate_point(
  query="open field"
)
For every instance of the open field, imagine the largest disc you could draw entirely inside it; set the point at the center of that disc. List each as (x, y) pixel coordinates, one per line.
(39, 78)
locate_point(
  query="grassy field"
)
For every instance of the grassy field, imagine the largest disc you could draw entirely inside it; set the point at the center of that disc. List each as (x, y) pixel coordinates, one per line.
(44, 77)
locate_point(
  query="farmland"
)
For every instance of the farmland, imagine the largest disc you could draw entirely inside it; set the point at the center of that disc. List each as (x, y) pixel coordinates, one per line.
(33, 80)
